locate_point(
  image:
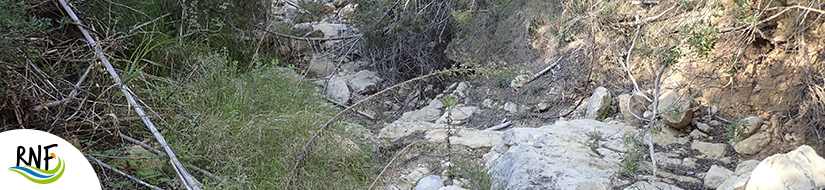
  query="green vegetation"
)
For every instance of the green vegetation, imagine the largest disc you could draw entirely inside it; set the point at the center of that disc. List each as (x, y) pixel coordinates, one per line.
(594, 139)
(633, 156)
(251, 125)
(476, 174)
(736, 131)
(701, 37)
(226, 105)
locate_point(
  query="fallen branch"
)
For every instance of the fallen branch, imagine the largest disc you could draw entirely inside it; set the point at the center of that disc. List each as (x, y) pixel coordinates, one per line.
(305, 38)
(71, 94)
(302, 156)
(187, 179)
(133, 178)
(345, 106)
(542, 72)
(499, 126)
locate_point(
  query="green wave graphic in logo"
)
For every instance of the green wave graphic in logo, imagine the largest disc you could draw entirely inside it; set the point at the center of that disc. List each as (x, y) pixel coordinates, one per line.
(51, 175)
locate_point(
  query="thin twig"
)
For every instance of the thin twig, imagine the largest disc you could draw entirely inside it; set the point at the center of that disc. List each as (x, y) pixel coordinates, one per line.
(147, 23)
(392, 161)
(293, 4)
(542, 72)
(305, 38)
(71, 94)
(133, 178)
(188, 181)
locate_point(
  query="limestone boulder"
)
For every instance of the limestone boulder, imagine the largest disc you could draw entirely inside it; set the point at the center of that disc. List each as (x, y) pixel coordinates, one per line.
(556, 157)
(674, 109)
(363, 82)
(320, 65)
(752, 124)
(432, 182)
(457, 115)
(752, 144)
(437, 133)
(715, 150)
(337, 90)
(801, 168)
(431, 112)
(740, 176)
(716, 175)
(599, 103)
(632, 107)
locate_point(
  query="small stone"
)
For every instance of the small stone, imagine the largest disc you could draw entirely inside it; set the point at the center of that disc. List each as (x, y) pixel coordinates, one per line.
(432, 182)
(704, 127)
(647, 114)
(753, 124)
(457, 115)
(363, 81)
(666, 137)
(519, 80)
(632, 107)
(301, 29)
(715, 123)
(697, 134)
(753, 144)
(745, 168)
(716, 150)
(460, 89)
(542, 107)
(787, 137)
(734, 183)
(487, 103)
(716, 175)
(321, 65)
(599, 103)
(689, 162)
(675, 110)
(337, 89)
(511, 107)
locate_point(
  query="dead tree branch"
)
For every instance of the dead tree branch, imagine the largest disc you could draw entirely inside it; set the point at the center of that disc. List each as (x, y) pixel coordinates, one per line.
(187, 179)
